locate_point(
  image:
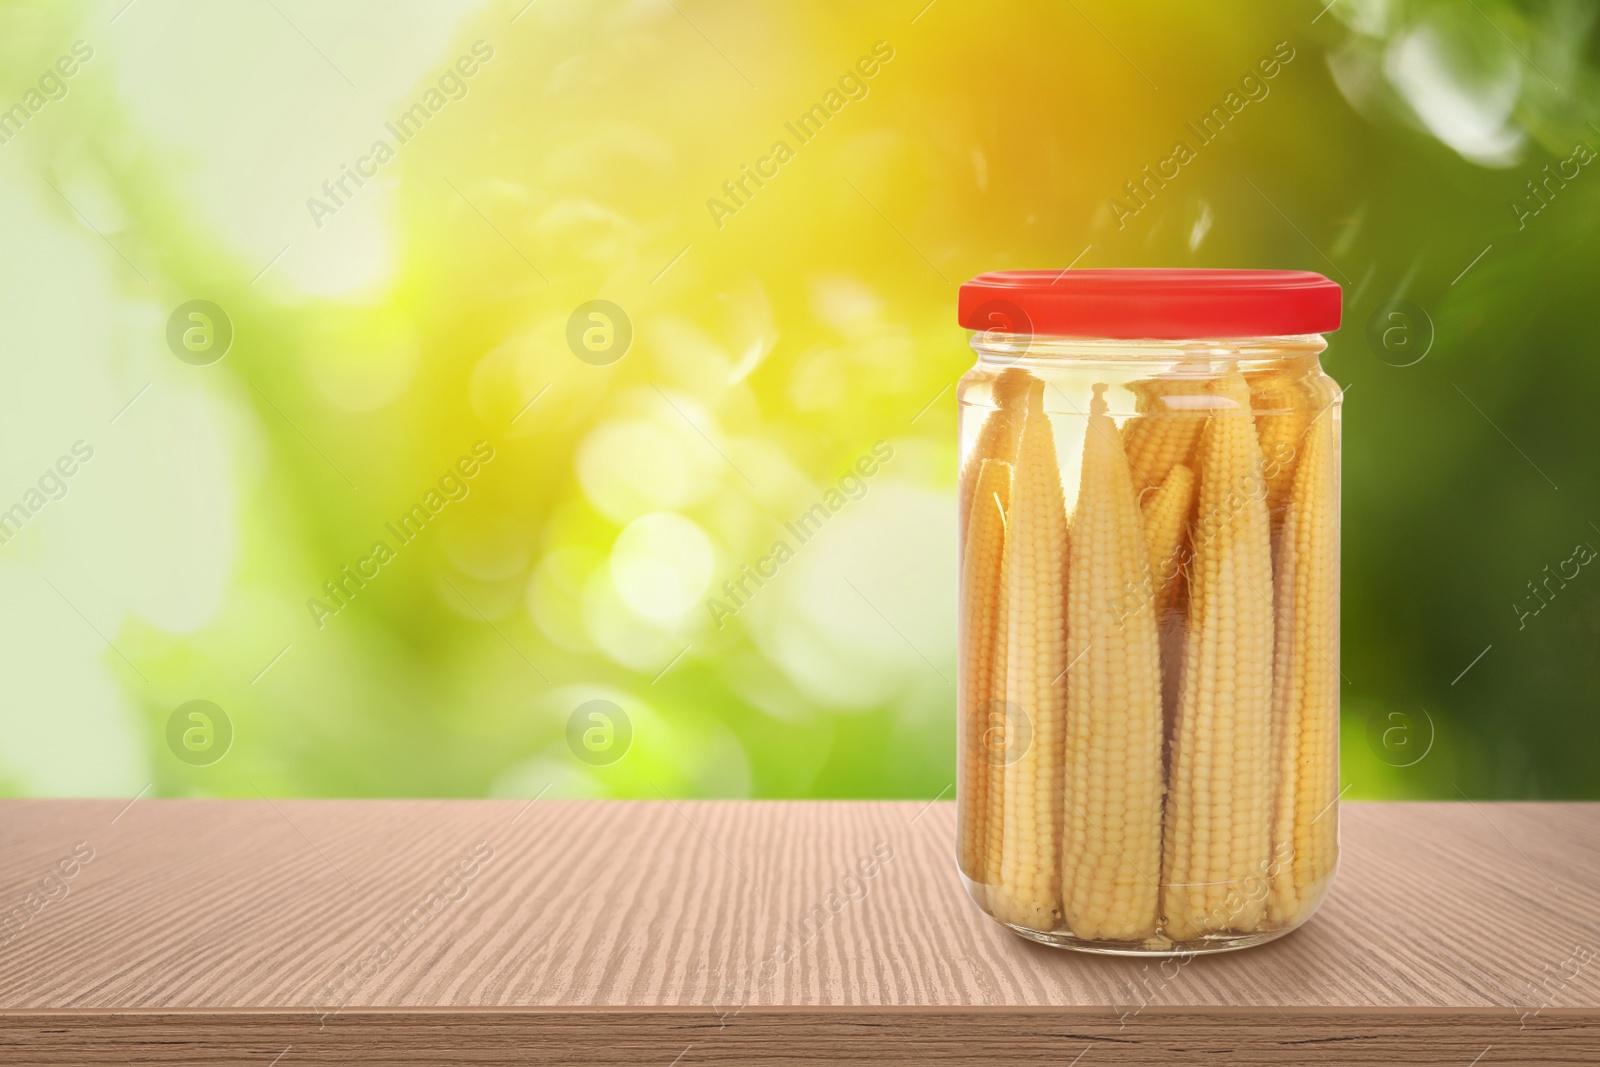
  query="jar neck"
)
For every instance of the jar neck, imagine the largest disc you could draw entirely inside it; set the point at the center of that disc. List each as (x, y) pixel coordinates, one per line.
(992, 346)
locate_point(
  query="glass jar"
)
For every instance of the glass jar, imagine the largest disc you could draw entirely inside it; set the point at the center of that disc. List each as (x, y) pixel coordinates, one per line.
(1148, 696)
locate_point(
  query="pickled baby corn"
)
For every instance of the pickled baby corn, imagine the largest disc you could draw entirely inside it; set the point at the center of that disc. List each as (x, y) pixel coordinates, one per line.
(1305, 702)
(1113, 753)
(1279, 397)
(1165, 433)
(1029, 891)
(983, 709)
(1176, 783)
(998, 437)
(1166, 513)
(1216, 838)
(983, 673)
(1166, 516)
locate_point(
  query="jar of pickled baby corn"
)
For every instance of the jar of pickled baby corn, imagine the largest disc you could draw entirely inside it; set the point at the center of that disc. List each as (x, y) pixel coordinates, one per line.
(1148, 695)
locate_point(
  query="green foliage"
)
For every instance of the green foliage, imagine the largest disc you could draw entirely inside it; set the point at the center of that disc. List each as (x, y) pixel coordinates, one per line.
(772, 347)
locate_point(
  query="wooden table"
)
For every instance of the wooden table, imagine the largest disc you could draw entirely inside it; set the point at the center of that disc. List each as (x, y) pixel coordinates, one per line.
(590, 932)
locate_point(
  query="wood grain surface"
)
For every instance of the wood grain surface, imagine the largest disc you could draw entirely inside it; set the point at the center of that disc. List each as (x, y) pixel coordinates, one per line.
(612, 932)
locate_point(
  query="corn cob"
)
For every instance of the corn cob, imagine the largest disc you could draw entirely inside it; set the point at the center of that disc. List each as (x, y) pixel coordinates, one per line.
(1112, 821)
(1217, 828)
(982, 669)
(997, 442)
(1166, 516)
(997, 439)
(1166, 513)
(1166, 431)
(1029, 893)
(1278, 394)
(1306, 683)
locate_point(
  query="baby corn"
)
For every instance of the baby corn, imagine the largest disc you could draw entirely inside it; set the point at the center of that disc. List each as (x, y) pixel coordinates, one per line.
(1113, 754)
(1306, 686)
(1216, 841)
(997, 439)
(1029, 893)
(983, 593)
(1166, 517)
(1279, 396)
(983, 672)
(1166, 432)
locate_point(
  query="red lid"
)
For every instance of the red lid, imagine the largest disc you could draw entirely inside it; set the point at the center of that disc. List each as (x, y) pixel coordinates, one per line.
(1165, 304)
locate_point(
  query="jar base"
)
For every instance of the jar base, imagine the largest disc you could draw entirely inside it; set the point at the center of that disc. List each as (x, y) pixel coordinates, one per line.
(1158, 948)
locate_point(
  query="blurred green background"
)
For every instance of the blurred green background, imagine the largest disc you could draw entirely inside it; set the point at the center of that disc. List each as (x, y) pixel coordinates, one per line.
(548, 154)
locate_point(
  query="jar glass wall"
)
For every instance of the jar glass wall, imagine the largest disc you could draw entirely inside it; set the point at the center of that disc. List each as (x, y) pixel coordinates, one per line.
(1148, 692)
